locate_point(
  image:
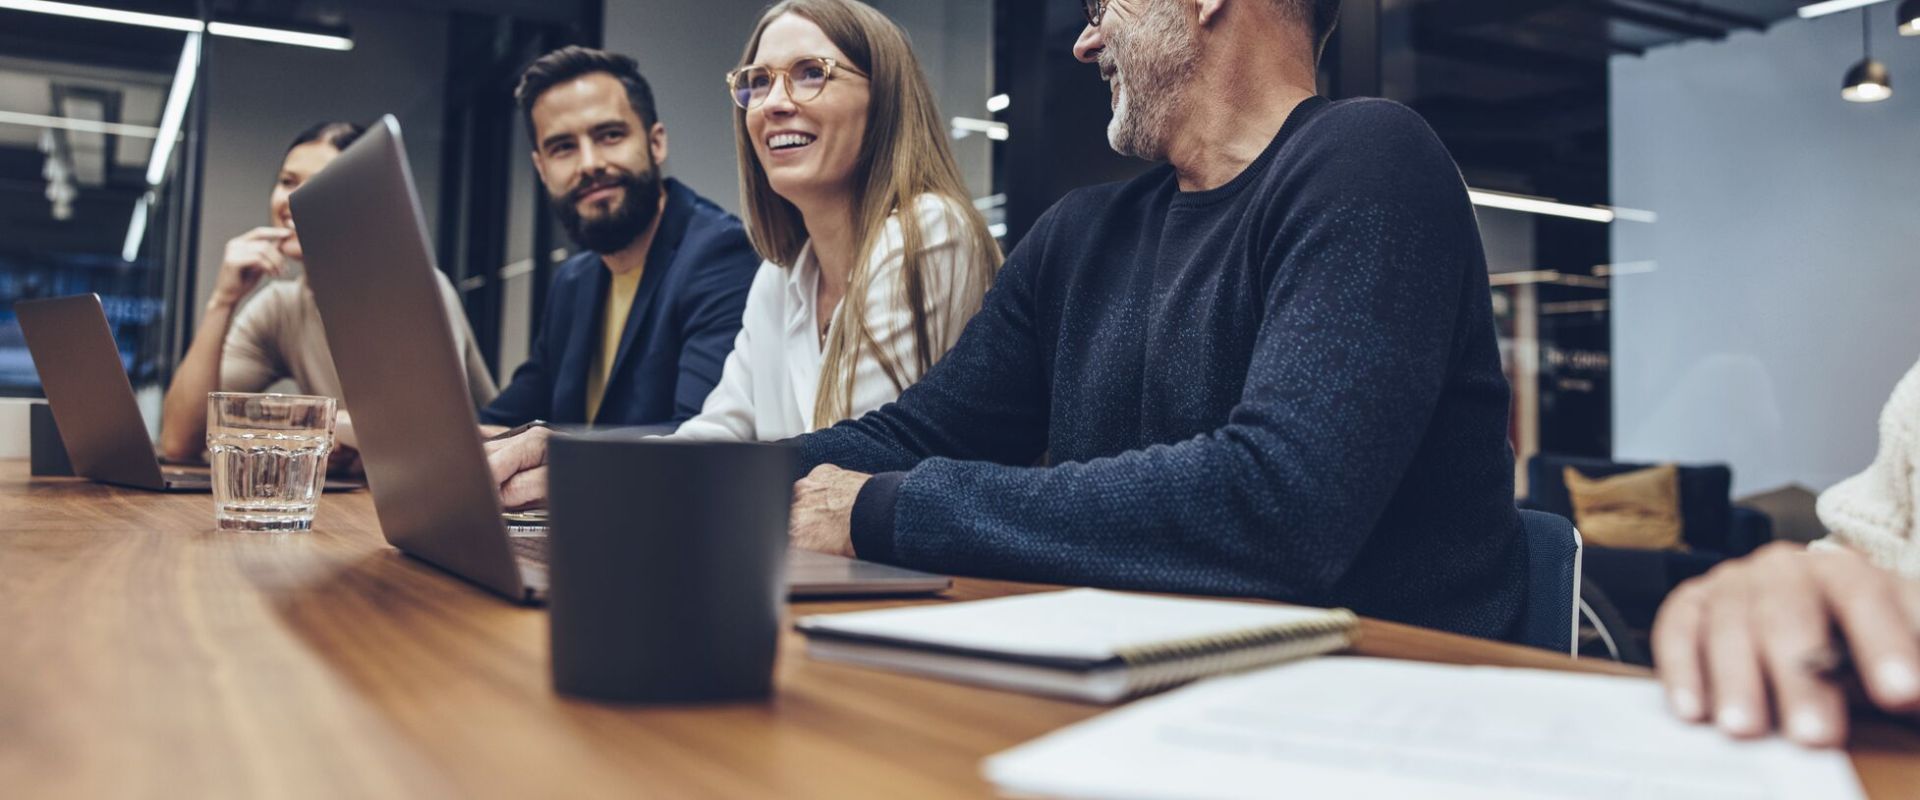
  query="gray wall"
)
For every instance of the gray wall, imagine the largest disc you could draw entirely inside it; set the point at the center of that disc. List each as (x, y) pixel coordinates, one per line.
(685, 48)
(954, 41)
(1782, 310)
(259, 95)
(526, 203)
(1508, 237)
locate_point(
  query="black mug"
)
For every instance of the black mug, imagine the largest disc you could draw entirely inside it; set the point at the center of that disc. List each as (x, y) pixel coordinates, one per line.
(667, 567)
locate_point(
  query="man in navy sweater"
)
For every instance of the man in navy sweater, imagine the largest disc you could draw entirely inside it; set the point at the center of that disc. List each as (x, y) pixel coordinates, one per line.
(1266, 369)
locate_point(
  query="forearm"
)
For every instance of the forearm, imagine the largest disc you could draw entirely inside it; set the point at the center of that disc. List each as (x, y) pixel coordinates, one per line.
(1217, 514)
(982, 402)
(862, 445)
(183, 416)
(1279, 500)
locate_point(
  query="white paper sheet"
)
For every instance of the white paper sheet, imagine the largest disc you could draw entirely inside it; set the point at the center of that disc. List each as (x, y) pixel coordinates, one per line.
(1371, 728)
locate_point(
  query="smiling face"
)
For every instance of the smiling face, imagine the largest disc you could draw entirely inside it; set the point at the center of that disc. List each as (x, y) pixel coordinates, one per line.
(600, 162)
(300, 164)
(1147, 53)
(810, 151)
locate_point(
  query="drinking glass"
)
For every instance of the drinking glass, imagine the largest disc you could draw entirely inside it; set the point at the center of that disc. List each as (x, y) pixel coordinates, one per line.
(269, 458)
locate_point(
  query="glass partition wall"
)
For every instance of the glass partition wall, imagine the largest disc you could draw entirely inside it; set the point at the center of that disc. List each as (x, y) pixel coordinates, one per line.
(137, 138)
(98, 125)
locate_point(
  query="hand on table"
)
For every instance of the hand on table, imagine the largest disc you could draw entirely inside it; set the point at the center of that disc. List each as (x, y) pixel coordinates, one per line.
(822, 518)
(343, 461)
(519, 467)
(1745, 645)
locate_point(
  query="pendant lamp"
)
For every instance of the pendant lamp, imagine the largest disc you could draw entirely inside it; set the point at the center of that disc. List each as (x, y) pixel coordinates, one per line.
(1868, 81)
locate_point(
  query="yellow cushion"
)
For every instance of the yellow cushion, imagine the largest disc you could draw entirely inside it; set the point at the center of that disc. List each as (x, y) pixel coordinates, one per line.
(1637, 510)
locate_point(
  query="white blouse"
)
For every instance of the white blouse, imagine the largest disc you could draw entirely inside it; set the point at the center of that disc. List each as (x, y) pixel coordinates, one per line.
(768, 386)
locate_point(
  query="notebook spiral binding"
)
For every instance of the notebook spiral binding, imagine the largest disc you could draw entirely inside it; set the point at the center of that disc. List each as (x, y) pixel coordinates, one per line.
(1151, 668)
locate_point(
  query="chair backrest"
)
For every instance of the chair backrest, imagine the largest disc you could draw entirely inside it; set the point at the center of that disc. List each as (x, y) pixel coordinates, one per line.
(1552, 615)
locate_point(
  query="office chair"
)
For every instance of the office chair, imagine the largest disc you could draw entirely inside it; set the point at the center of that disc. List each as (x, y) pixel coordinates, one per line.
(1551, 620)
(1610, 629)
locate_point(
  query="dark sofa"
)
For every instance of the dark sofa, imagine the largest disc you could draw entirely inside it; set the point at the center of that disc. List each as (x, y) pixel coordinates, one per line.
(1638, 580)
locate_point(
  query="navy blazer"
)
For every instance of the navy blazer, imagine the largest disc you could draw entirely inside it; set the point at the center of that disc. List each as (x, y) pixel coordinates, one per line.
(685, 316)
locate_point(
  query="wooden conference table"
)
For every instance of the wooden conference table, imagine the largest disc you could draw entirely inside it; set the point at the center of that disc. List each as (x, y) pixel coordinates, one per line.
(143, 653)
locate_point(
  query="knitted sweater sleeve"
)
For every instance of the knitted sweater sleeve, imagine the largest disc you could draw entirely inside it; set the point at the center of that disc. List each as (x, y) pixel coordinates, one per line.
(1872, 512)
(1281, 498)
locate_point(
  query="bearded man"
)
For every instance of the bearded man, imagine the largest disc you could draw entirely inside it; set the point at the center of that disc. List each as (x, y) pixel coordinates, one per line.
(638, 325)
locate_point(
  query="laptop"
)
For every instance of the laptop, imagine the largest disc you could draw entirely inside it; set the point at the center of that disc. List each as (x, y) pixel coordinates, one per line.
(372, 272)
(92, 400)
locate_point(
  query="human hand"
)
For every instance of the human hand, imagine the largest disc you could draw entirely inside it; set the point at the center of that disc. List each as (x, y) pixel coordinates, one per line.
(1745, 644)
(343, 461)
(250, 258)
(519, 465)
(822, 518)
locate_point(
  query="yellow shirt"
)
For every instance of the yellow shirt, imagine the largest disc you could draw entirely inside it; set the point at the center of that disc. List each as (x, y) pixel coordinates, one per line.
(613, 325)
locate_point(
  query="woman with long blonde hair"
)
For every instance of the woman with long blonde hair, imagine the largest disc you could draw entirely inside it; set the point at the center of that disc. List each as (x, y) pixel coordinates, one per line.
(875, 256)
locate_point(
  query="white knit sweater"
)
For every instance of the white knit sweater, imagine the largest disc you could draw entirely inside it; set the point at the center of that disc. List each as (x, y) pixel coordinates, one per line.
(1873, 512)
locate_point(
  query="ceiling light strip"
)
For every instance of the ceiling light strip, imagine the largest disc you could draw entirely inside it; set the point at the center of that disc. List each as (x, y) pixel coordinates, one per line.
(175, 114)
(1834, 7)
(136, 231)
(1522, 277)
(176, 109)
(182, 24)
(1540, 205)
(280, 36)
(996, 131)
(78, 125)
(172, 23)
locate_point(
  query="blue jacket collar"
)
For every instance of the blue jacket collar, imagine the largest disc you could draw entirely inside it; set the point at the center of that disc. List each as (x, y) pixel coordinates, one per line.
(590, 305)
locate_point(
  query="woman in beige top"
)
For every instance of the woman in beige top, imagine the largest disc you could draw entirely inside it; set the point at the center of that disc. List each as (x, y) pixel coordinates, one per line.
(276, 334)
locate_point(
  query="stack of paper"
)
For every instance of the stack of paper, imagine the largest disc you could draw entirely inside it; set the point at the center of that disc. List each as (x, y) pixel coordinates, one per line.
(1369, 728)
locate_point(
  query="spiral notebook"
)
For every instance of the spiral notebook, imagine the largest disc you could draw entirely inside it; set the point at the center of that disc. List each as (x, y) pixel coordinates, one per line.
(1080, 644)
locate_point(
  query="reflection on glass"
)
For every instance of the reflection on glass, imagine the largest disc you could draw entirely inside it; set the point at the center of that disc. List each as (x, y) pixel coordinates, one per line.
(81, 107)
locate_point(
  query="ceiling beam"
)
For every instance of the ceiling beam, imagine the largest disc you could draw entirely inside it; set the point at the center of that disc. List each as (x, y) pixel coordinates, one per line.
(1459, 14)
(529, 10)
(1660, 21)
(1696, 9)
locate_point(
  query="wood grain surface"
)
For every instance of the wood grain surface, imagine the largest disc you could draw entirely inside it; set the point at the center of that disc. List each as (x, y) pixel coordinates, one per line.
(145, 654)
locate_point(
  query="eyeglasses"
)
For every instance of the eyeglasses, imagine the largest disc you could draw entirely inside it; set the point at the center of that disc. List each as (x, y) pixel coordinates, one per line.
(806, 78)
(1096, 9)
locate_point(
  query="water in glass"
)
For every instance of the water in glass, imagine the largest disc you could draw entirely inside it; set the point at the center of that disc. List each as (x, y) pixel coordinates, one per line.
(269, 456)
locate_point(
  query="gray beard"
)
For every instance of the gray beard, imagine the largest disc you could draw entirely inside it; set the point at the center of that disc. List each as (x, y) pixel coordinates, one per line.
(1161, 56)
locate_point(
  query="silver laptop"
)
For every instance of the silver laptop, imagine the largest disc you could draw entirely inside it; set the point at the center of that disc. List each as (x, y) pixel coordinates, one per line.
(92, 400)
(371, 268)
